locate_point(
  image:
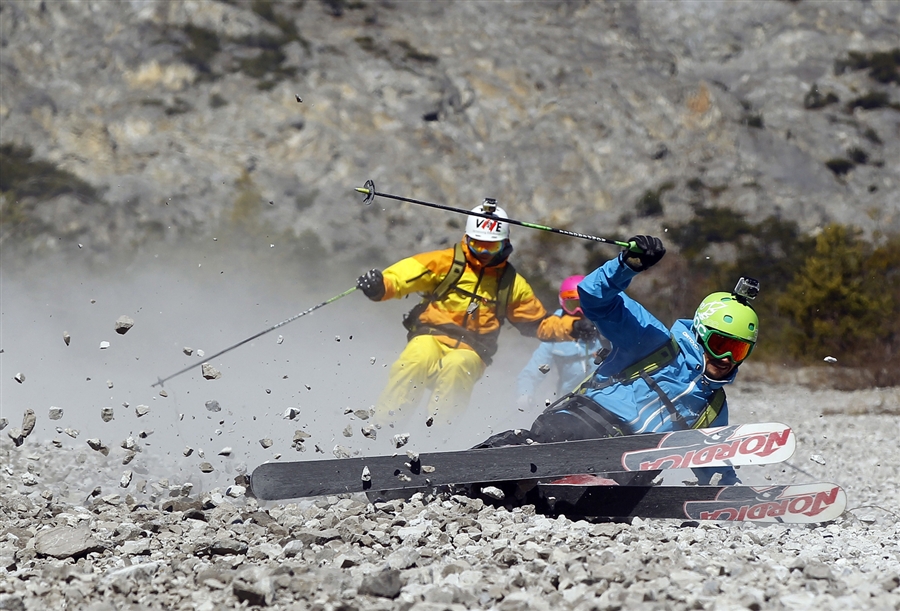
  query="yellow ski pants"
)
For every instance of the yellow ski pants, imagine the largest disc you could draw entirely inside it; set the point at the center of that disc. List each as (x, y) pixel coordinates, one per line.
(427, 364)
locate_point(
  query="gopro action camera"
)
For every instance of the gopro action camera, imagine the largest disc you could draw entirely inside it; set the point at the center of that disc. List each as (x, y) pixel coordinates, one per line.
(746, 287)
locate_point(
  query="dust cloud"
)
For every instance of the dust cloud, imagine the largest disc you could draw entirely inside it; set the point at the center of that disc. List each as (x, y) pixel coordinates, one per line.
(209, 298)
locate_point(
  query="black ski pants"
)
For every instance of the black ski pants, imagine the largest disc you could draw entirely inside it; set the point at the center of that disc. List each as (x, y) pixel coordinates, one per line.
(571, 418)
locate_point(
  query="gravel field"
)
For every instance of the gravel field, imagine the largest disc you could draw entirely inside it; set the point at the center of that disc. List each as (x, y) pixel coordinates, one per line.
(72, 536)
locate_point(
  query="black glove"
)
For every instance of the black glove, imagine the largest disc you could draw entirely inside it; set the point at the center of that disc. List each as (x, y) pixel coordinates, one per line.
(371, 284)
(584, 330)
(652, 250)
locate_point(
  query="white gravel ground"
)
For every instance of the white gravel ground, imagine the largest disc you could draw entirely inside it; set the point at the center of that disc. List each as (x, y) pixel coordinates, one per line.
(171, 548)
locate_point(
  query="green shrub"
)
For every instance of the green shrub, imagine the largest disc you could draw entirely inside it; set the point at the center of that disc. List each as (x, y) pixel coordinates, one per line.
(22, 176)
(870, 101)
(883, 66)
(814, 99)
(709, 225)
(202, 47)
(837, 303)
(839, 166)
(650, 203)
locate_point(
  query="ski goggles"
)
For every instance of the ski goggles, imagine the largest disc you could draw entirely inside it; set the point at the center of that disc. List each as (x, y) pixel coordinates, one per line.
(719, 346)
(571, 306)
(481, 247)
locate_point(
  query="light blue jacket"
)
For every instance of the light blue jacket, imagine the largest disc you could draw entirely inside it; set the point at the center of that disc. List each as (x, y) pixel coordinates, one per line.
(635, 334)
(573, 361)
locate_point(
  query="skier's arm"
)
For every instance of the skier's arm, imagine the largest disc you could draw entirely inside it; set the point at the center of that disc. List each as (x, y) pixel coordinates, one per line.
(619, 318)
(417, 274)
(531, 376)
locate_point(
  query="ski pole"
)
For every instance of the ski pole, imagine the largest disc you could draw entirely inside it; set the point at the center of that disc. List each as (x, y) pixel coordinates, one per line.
(160, 381)
(370, 193)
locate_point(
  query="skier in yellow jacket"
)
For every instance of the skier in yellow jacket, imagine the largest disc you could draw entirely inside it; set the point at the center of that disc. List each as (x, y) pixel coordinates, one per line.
(469, 290)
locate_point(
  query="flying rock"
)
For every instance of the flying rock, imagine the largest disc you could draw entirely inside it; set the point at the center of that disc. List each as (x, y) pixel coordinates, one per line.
(15, 433)
(109, 384)
(226, 451)
(265, 443)
(73, 433)
(544, 368)
(348, 431)
(188, 451)
(493, 492)
(400, 440)
(3, 423)
(209, 372)
(235, 491)
(291, 413)
(66, 337)
(28, 422)
(213, 406)
(104, 345)
(366, 475)
(369, 432)
(818, 459)
(97, 445)
(141, 410)
(188, 351)
(201, 354)
(123, 324)
(106, 414)
(126, 479)
(340, 452)
(205, 467)
(830, 359)
(362, 414)
(19, 377)
(280, 339)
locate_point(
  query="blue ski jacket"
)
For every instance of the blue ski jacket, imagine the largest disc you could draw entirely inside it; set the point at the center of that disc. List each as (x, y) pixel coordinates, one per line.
(635, 334)
(572, 360)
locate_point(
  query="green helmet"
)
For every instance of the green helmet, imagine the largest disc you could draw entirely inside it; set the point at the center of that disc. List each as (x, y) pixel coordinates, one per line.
(728, 315)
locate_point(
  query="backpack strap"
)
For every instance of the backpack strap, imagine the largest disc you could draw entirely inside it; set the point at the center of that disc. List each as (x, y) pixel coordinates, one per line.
(713, 408)
(457, 267)
(504, 290)
(648, 365)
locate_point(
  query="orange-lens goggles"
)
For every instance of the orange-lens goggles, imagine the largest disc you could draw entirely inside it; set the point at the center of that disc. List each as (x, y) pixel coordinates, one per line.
(571, 305)
(480, 247)
(721, 346)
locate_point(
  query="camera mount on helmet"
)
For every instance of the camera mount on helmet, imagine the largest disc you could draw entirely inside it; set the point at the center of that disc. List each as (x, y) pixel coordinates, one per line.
(746, 289)
(489, 205)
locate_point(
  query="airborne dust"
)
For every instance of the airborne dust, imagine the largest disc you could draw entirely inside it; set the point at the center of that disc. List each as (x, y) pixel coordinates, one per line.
(207, 298)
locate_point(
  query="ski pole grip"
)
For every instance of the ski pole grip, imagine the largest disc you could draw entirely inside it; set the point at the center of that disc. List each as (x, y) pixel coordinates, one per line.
(633, 247)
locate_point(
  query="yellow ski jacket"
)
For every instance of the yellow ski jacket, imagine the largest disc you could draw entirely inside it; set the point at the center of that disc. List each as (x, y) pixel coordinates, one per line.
(467, 316)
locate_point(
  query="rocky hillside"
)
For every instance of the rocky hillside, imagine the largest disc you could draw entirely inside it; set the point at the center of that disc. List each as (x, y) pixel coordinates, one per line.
(126, 123)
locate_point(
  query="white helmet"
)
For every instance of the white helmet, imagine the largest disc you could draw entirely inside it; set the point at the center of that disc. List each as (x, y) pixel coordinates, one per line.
(488, 229)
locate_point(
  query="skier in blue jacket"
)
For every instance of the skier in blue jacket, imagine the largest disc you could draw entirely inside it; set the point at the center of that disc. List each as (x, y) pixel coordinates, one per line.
(655, 379)
(572, 360)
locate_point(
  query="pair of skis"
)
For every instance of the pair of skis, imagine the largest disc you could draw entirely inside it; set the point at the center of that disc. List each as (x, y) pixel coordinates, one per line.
(566, 480)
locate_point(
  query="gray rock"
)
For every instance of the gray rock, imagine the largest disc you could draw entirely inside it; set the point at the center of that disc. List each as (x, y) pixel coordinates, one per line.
(254, 586)
(209, 372)
(66, 542)
(124, 324)
(386, 584)
(107, 414)
(56, 413)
